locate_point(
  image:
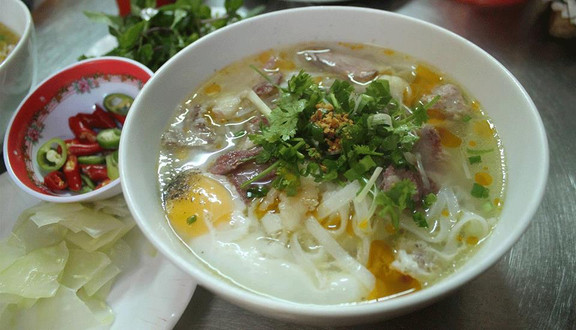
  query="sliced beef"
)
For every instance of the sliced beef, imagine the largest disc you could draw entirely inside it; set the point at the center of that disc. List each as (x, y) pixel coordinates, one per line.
(192, 131)
(266, 88)
(356, 69)
(247, 171)
(238, 166)
(231, 160)
(392, 175)
(451, 101)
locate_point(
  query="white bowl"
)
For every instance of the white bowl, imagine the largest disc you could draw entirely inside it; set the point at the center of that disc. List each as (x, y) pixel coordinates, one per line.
(18, 70)
(501, 95)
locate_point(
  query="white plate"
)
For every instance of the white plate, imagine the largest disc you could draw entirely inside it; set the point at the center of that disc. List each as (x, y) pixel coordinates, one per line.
(151, 295)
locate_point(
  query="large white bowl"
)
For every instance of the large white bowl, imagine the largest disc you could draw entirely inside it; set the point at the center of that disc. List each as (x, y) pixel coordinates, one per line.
(502, 96)
(18, 70)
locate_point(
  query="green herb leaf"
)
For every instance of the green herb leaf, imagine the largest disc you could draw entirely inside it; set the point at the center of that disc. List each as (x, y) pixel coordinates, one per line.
(152, 35)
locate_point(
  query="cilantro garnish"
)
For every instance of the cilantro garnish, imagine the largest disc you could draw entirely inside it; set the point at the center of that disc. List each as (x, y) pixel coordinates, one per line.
(338, 134)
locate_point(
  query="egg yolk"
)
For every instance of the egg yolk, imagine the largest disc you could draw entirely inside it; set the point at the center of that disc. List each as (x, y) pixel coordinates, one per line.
(388, 280)
(207, 202)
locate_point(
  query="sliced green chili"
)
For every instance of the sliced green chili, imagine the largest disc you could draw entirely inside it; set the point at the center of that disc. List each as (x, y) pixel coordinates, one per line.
(109, 138)
(118, 103)
(52, 155)
(91, 159)
(112, 165)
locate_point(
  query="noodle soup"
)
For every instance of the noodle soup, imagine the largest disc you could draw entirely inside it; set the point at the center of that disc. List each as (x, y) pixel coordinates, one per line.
(8, 40)
(331, 173)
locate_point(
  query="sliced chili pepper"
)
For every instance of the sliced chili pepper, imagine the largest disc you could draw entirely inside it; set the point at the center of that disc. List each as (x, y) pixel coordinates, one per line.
(78, 148)
(109, 138)
(86, 182)
(118, 104)
(120, 118)
(56, 181)
(106, 118)
(95, 172)
(52, 155)
(81, 129)
(112, 165)
(92, 159)
(103, 183)
(72, 173)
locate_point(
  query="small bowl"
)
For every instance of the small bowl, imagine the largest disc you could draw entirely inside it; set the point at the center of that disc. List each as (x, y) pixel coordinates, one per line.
(502, 96)
(44, 114)
(18, 70)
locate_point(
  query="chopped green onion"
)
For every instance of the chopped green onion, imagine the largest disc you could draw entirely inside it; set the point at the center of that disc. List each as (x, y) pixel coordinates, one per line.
(475, 159)
(479, 191)
(478, 151)
(192, 219)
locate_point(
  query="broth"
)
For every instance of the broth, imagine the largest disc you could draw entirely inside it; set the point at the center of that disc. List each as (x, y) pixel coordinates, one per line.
(8, 40)
(369, 175)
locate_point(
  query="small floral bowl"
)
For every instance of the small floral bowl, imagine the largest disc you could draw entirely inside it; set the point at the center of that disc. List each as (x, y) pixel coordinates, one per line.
(52, 118)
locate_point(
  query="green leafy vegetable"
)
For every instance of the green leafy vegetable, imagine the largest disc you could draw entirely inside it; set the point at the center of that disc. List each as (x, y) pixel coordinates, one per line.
(153, 35)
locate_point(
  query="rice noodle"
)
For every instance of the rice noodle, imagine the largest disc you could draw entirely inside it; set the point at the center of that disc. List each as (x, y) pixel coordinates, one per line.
(467, 218)
(343, 259)
(302, 259)
(442, 228)
(337, 199)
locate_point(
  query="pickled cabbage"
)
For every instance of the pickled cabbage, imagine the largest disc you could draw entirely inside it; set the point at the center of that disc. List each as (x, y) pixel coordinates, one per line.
(60, 262)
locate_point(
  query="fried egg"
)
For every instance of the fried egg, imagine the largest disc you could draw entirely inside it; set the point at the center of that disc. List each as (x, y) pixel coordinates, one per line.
(199, 202)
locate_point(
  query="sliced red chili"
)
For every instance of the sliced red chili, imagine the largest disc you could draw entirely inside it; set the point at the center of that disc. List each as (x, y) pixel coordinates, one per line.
(120, 118)
(106, 119)
(81, 129)
(103, 183)
(56, 181)
(72, 173)
(96, 173)
(78, 148)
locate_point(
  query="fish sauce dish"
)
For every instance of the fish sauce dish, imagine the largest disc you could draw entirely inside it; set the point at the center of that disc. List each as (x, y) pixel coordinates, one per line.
(332, 179)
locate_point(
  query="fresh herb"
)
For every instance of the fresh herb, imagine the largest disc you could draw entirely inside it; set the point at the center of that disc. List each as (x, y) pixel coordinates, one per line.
(475, 159)
(479, 191)
(153, 35)
(336, 134)
(394, 201)
(192, 219)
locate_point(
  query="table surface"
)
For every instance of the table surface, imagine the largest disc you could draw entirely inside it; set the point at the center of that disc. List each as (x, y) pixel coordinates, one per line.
(532, 286)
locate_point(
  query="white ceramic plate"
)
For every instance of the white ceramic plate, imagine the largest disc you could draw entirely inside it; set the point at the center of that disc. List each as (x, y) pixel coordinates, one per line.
(151, 295)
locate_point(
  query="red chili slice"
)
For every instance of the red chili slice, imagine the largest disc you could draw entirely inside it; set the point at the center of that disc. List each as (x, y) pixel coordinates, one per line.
(72, 173)
(56, 181)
